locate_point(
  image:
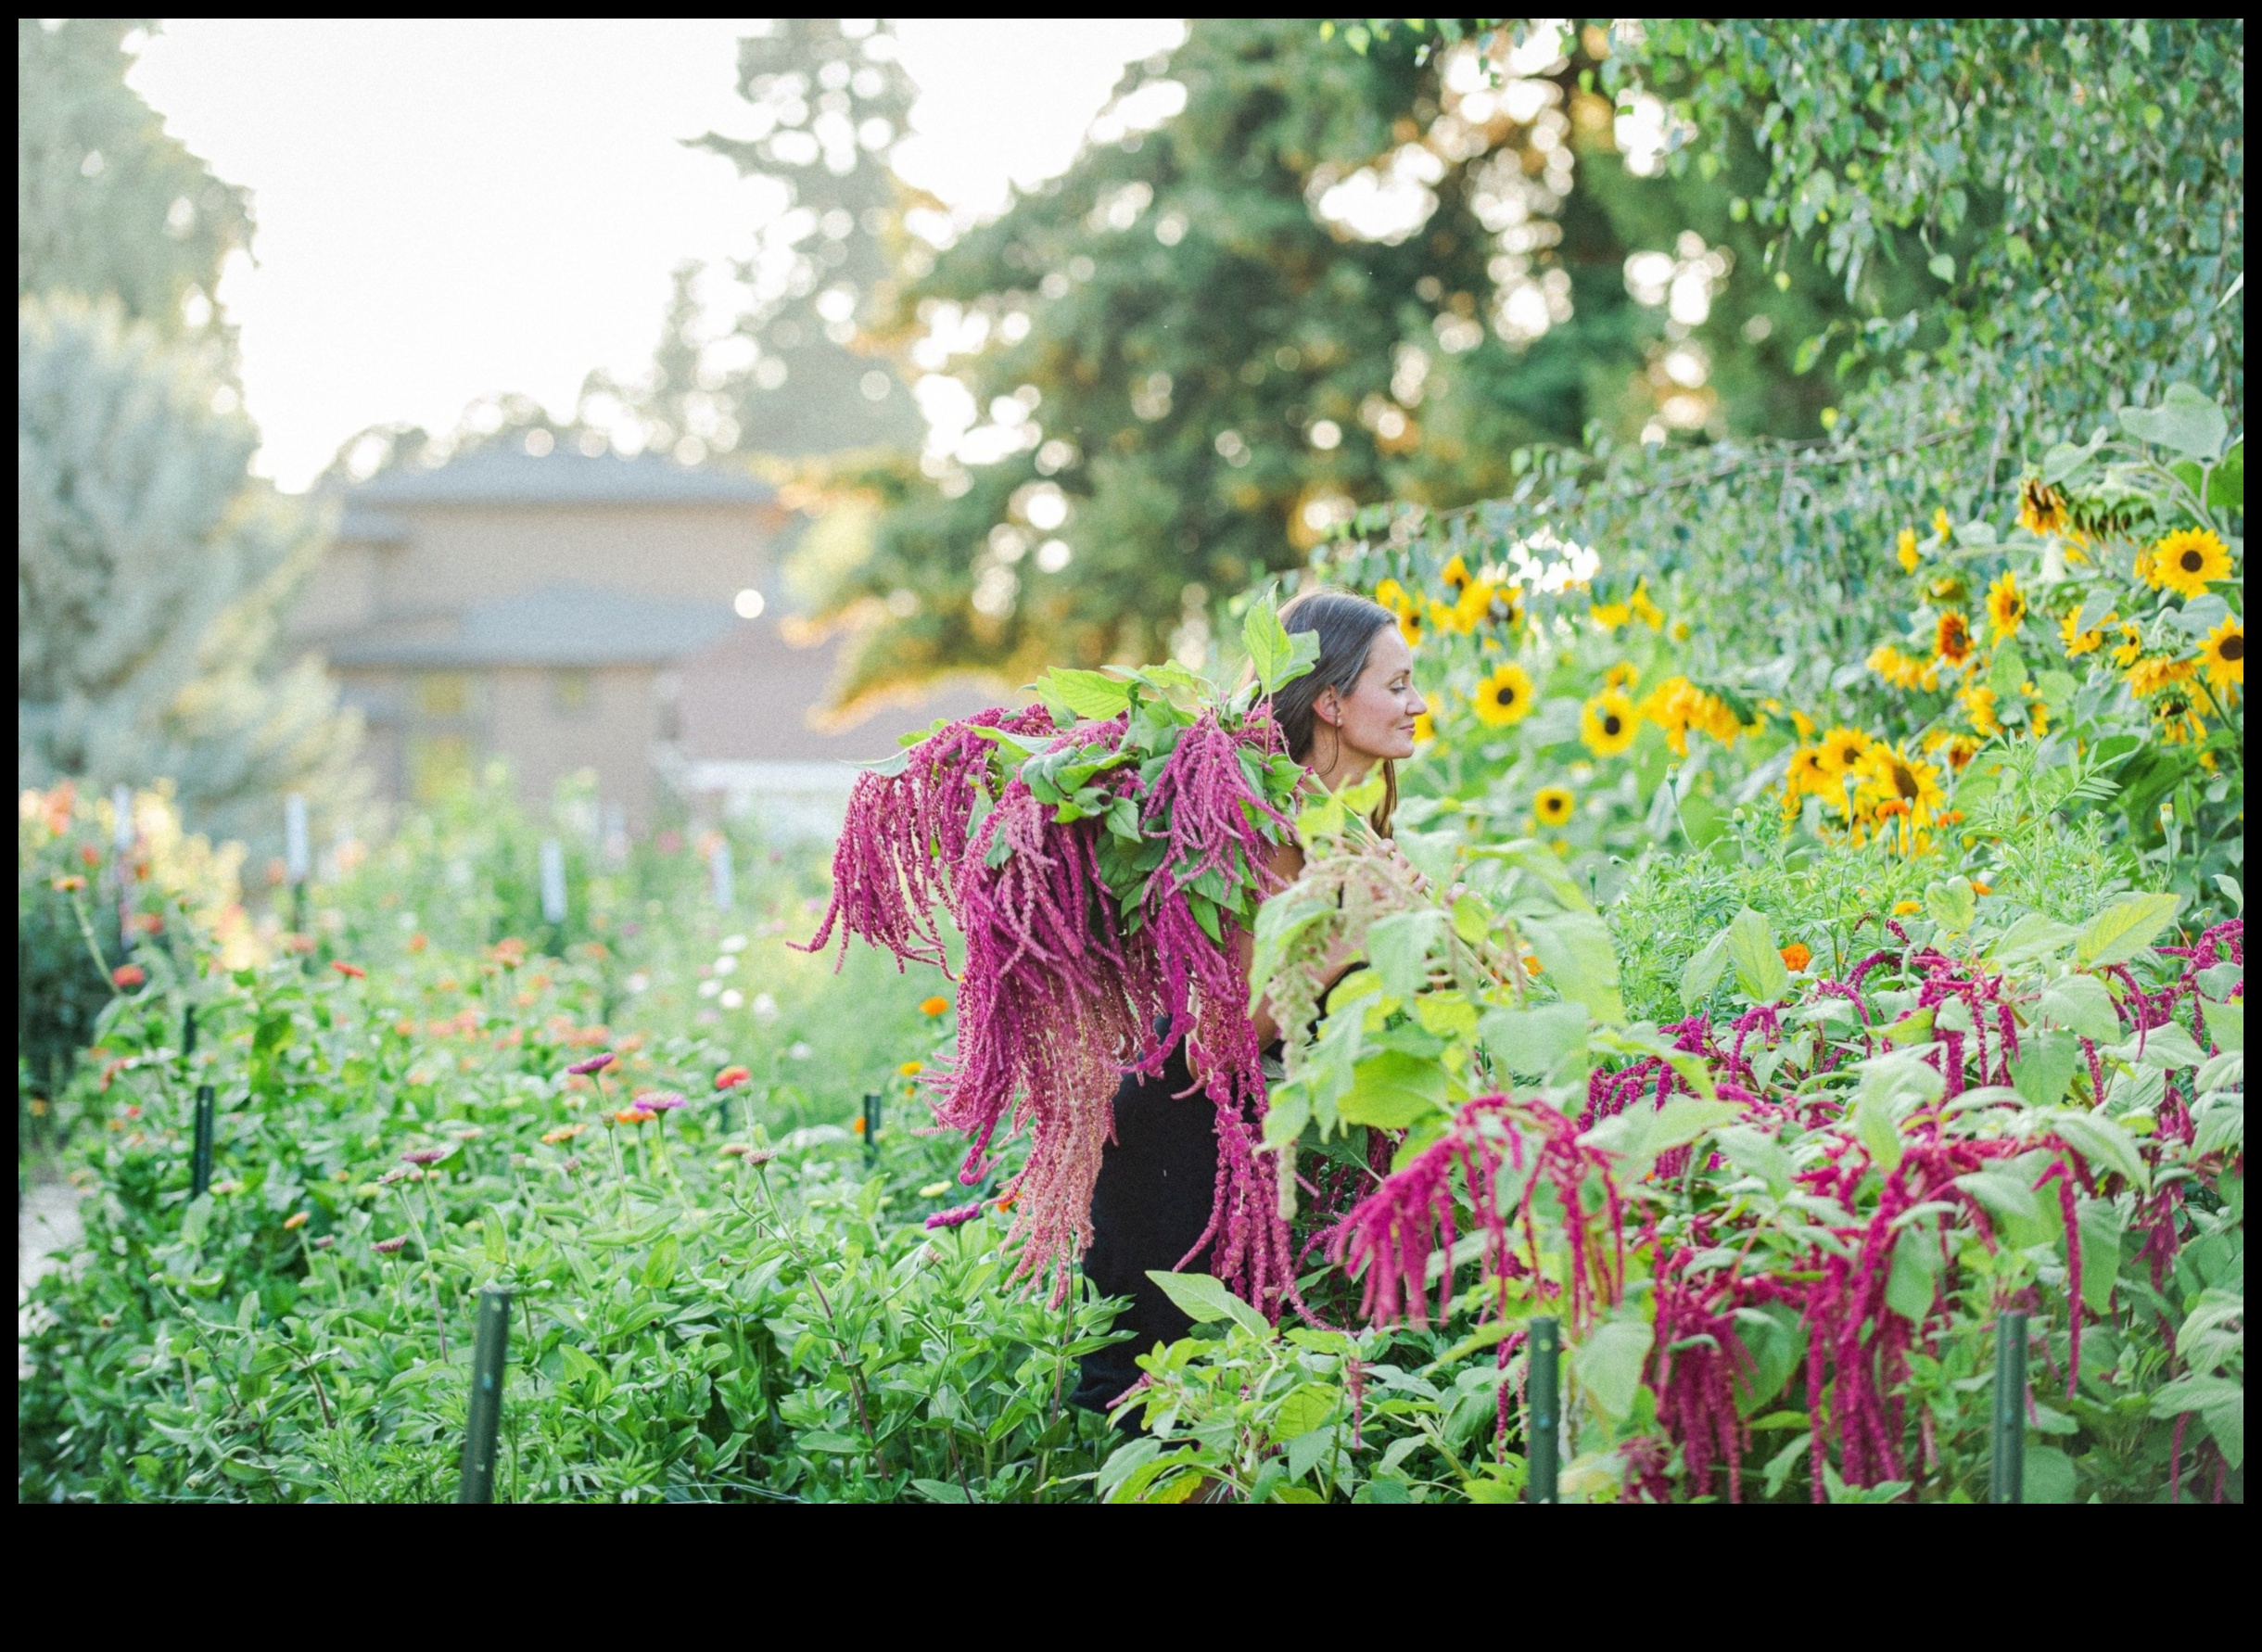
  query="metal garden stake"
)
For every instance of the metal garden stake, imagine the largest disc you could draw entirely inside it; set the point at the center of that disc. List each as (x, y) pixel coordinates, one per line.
(2008, 1481)
(489, 1349)
(200, 1157)
(872, 1130)
(297, 859)
(1546, 1390)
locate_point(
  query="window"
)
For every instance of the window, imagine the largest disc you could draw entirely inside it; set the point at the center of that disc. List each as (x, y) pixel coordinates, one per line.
(442, 694)
(571, 692)
(437, 765)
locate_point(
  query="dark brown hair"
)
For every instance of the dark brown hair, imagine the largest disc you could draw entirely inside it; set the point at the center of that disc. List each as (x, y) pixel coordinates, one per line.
(1347, 627)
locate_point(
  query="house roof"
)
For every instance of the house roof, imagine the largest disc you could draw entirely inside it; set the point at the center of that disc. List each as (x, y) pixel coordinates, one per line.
(557, 624)
(512, 475)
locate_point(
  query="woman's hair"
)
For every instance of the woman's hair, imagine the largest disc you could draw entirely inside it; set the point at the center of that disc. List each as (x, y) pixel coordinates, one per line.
(1346, 627)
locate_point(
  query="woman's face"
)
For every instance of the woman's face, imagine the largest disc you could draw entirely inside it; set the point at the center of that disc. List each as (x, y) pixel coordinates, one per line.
(1376, 718)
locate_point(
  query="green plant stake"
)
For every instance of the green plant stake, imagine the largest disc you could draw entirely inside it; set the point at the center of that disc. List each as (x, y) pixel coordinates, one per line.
(188, 1037)
(489, 1349)
(200, 1155)
(1546, 1412)
(2008, 1482)
(872, 1130)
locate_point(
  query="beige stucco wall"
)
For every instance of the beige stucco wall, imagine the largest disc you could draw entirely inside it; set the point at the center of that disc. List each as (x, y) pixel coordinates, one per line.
(613, 735)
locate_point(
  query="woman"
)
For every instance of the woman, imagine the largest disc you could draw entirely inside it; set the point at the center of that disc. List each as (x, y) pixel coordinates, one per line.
(1356, 708)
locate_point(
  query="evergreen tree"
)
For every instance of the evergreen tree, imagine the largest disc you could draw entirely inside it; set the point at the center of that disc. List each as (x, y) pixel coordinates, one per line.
(829, 101)
(106, 201)
(150, 566)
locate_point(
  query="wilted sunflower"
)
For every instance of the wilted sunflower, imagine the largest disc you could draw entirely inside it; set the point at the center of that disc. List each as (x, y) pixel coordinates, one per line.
(1608, 724)
(2041, 508)
(1505, 697)
(2188, 560)
(1551, 806)
(1979, 705)
(2223, 657)
(1952, 637)
(2078, 642)
(2006, 605)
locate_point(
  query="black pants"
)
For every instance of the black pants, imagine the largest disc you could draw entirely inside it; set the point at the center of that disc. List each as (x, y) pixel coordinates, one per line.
(1158, 1179)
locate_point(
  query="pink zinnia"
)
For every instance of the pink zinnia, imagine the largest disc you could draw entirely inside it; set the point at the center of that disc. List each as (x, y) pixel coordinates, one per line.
(387, 1247)
(595, 1064)
(957, 1218)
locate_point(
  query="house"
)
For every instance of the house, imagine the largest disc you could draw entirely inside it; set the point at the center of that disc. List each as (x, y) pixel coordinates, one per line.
(570, 612)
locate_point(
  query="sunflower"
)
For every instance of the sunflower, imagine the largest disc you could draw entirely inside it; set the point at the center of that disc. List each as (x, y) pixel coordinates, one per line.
(2187, 562)
(1392, 595)
(1505, 697)
(1958, 749)
(1474, 607)
(1842, 750)
(2176, 714)
(1445, 618)
(2078, 642)
(2148, 676)
(1551, 806)
(1425, 727)
(1903, 672)
(2006, 605)
(1942, 528)
(1507, 609)
(1622, 677)
(2041, 508)
(1611, 615)
(1648, 612)
(1608, 723)
(1907, 551)
(1805, 778)
(1979, 705)
(1951, 639)
(1895, 783)
(1410, 626)
(2223, 657)
(1454, 576)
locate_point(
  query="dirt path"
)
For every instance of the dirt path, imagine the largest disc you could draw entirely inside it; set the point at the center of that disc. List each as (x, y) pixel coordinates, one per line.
(46, 1221)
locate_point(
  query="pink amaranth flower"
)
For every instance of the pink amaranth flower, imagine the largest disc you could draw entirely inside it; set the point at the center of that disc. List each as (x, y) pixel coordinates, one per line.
(957, 1218)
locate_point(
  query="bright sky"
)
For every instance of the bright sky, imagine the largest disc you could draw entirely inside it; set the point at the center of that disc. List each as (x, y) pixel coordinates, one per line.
(453, 209)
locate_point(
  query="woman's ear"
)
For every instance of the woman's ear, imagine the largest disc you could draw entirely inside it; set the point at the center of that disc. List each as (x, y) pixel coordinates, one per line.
(1328, 707)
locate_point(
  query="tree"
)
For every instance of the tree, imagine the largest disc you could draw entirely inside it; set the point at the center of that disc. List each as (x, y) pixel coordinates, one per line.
(150, 566)
(149, 570)
(1333, 278)
(796, 372)
(106, 201)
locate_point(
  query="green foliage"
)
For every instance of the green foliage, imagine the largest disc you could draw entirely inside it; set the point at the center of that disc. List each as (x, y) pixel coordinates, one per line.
(767, 1322)
(105, 201)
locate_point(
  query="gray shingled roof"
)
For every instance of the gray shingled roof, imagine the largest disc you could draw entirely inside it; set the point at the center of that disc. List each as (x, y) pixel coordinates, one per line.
(558, 624)
(512, 475)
